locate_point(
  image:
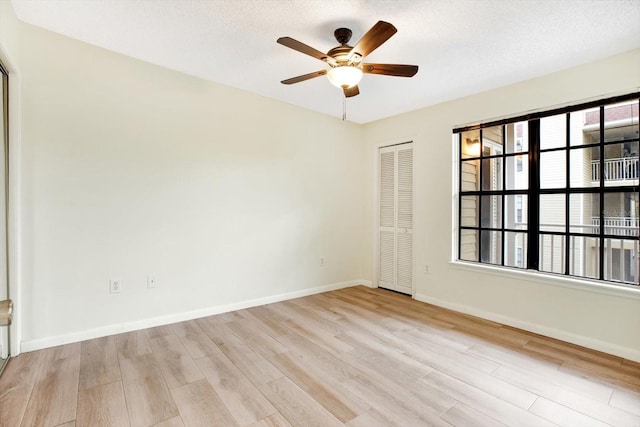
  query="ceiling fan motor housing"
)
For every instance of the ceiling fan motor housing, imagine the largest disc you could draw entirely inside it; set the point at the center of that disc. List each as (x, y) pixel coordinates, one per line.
(343, 35)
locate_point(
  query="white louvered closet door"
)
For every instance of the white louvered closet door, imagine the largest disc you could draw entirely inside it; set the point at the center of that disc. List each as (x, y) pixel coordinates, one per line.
(395, 234)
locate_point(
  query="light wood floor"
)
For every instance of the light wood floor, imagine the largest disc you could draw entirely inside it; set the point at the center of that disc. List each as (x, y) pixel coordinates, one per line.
(356, 357)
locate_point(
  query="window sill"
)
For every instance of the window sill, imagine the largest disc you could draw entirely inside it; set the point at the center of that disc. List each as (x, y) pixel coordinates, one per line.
(584, 285)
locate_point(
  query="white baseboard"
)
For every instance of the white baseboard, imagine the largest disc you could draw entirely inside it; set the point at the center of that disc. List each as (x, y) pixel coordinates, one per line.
(118, 328)
(606, 347)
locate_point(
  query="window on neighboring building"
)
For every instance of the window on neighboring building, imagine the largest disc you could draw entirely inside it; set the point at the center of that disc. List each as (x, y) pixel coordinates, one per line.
(519, 158)
(574, 208)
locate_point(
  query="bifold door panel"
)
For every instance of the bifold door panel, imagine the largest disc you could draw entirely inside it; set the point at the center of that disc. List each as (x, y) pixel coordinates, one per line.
(395, 231)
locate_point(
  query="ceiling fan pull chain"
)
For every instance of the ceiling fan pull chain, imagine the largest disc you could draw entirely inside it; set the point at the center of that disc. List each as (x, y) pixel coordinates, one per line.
(344, 107)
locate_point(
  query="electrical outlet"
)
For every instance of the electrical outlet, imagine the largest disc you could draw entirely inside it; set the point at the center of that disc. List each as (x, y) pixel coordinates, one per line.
(152, 282)
(321, 262)
(426, 268)
(115, 286)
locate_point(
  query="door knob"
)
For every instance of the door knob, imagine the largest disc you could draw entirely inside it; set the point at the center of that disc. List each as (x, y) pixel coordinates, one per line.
(6, 312)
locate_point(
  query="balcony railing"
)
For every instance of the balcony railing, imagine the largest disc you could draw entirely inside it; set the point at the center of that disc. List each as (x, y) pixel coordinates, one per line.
(617, 226)
(621, 263)
(619, 169)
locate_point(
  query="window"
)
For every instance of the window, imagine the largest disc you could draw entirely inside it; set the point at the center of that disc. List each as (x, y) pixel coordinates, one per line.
(555, 191)
(519, 149)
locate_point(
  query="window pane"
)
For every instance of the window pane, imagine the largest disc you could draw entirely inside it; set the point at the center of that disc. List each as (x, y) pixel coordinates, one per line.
(469, 245)
(470, 175)
(553, 132)
(621, 213)
(583, 213)
(553, 169)
(552, 212)
(491, 212)
(492, 140)
(469, 211)
(515, 211)
(517, 137)
(517, 172)
(515, 249)
(470, 144)
(491, 247)
(492, 174)
(621, 121)
(620, 260)
(584, 253)
(584, 171)
(551, 253)
(585, 127)
(621, 164)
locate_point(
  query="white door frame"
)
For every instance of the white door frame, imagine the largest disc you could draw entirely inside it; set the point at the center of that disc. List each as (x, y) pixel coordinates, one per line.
(376, 207)
(14, 231)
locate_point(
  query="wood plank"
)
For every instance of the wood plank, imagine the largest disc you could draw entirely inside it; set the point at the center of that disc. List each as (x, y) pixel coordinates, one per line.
(612, 374)
(462, 415)
(172, 422)
(371, 418)
(199, 405)
(159, 331)
(568, 352)
(483, 402)
(627, 400)
(499, 354)
(456, 366)
(561, 415)
(256, 338)
(576, 382)
(241, 398)
(255, 367)
(331, 365)
(387, 404)
(546, 387)
(149, 400)
(197, 343)
(270, 320)
(16, 383)
(131, 344)
(177, 366)
(275, 420)
(318, 336)
(54, 398)
(328, 392)
(296, 406)
(99, 363)
(138, 367)
(103, 406)
(63, 351)
(13, 403)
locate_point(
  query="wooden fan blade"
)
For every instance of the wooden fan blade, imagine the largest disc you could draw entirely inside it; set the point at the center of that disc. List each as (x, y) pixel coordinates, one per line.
(378, 34)
(304, 77)
(351, 91)
(306, 49)
(390, 69)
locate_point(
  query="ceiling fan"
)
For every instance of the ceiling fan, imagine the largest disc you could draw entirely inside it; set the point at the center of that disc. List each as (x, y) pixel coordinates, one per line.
(346, 66)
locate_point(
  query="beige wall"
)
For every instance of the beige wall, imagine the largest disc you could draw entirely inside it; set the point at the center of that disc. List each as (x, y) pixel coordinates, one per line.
(607, 322)
(129, 169)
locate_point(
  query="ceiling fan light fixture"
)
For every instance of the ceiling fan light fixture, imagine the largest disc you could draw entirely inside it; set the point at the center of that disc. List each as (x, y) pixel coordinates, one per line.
(344, 76)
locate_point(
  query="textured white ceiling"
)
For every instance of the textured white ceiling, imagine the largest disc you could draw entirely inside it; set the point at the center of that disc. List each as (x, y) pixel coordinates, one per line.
(462, 47)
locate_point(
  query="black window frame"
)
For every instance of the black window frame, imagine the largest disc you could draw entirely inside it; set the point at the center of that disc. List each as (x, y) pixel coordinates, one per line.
(533, 192)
